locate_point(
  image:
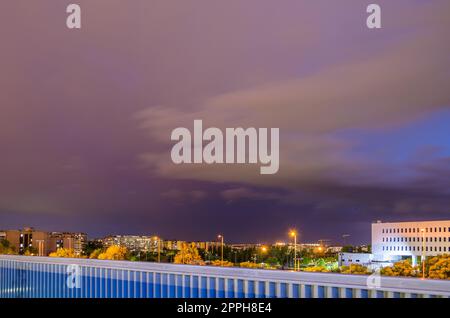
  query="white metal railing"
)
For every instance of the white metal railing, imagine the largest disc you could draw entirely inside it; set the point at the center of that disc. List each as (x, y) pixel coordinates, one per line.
(172, 280)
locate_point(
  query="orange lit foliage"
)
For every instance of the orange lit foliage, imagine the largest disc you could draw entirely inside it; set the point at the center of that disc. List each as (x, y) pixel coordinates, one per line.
(317, 269)
(402, 268)
(96, 253)
(355, 269)
(188, 254)
(438, 267)
(249, 265)
(114, 252)
(63, 252)
(220, 263)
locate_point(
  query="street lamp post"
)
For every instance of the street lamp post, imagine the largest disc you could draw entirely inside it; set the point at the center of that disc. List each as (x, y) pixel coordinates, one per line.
(293, 234)
(423, 252)
(263, 251)
(220, 236)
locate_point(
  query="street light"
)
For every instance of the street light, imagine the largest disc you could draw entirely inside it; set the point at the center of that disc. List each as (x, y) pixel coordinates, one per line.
(293, 233)
(220, 236)
(423, 252)
(263, 251)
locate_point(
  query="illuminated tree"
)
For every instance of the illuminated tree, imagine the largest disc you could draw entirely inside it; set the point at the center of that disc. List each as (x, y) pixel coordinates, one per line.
(63, 252)
(114, 252)
(317, 269)
(249, 265)
(6, 248)
(355, 269)
(220, 263)
(96, 253)
(402, 268)
(438, 267)
(188, 254)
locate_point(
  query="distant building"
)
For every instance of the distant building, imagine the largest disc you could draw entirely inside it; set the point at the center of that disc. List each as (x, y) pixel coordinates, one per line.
(134, 243)
(173, 245)
(355, 258)
(207, 245)
(334, 249)
(75, 241)
(29, 239)
(43, 243)
(243, 246)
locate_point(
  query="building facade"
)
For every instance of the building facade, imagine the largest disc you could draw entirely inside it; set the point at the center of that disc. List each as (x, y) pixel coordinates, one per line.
(395, 241)
(346, 259)
(29, 240)
(134, 243)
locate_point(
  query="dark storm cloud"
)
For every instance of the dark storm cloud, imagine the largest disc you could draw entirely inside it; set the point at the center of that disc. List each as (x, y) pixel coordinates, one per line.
(86, 115)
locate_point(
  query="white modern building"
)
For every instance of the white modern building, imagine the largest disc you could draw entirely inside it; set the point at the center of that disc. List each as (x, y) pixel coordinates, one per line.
(400, 240)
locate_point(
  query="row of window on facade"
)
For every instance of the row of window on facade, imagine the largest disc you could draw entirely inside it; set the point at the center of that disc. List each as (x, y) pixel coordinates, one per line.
(415, 239)
(416, 248)
(417, 230)
(350, 260)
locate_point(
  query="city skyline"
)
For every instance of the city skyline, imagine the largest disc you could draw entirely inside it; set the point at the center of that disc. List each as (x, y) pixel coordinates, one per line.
(86, 117)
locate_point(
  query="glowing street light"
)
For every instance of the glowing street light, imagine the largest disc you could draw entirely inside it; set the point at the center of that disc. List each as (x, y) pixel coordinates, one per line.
(293, 233)
(220, 236)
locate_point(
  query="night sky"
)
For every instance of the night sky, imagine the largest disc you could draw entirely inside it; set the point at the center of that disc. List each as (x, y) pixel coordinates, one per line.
(86, 116)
